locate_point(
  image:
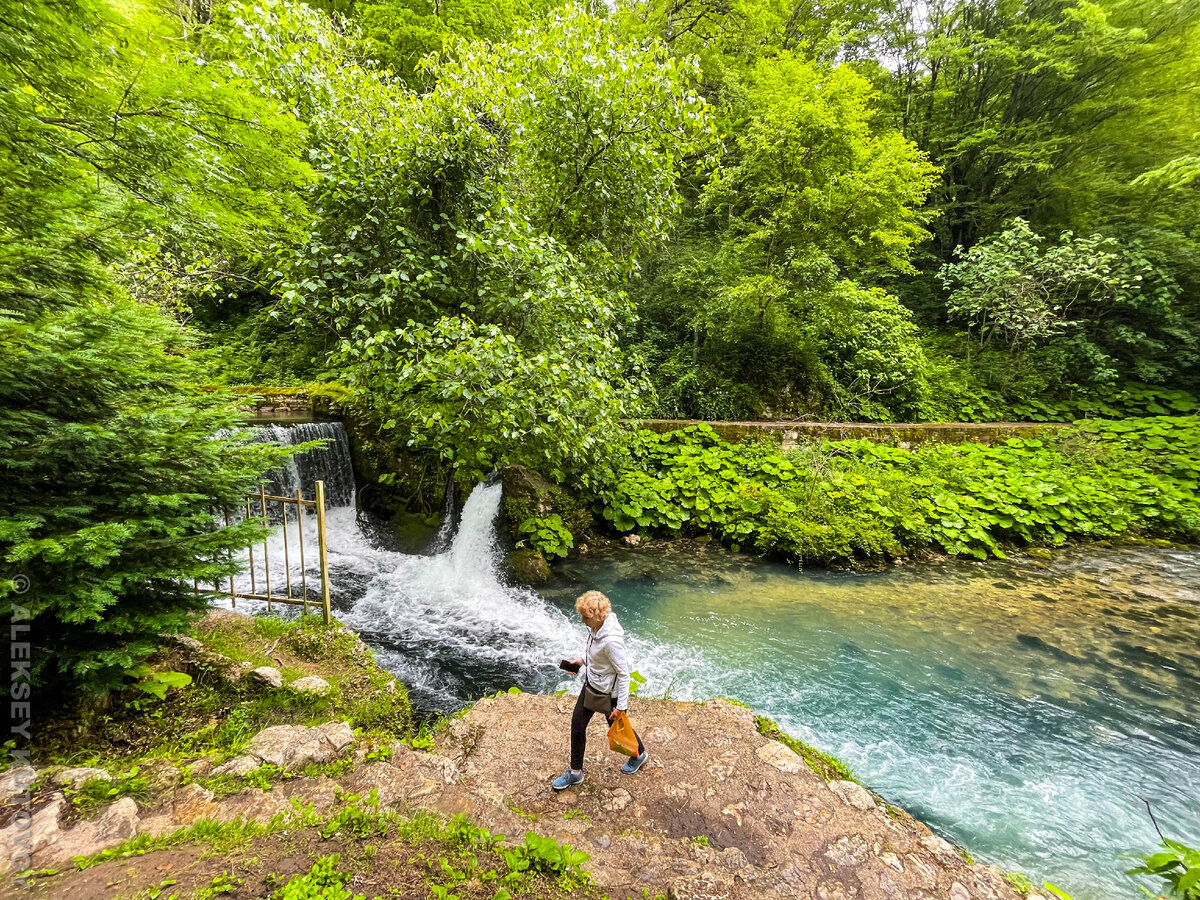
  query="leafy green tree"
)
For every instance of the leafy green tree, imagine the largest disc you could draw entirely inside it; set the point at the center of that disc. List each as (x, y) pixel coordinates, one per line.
(1106, 309)
(1046, 109)
(111, 457)
(469, 242)
(812, 200)
(111, 474)
(400, 34)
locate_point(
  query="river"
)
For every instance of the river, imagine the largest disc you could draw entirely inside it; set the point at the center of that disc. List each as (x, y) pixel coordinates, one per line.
(1026, 710)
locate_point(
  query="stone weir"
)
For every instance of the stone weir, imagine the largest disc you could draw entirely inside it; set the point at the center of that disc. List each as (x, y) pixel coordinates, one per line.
(906, 436)
(720, 811)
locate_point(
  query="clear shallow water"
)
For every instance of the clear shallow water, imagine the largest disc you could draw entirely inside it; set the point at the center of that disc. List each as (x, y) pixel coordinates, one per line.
(1022, 709)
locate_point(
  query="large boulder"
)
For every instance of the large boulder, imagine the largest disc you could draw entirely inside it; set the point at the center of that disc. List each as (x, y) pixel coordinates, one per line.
(292, 746)
(528, 566)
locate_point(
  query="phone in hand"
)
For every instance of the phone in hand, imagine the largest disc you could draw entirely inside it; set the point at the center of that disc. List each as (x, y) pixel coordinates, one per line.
(567, 666)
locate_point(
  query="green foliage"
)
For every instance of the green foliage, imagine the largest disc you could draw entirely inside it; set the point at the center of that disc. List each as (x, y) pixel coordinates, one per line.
(400, 34)
(1177, 865)
(469, 243)
(1109, 311)
(324, 881)
(156, 683)
(811, 199)
(546, 856)
(838, 500)
(98, 792)
(110, 464)
(111, 474)
(214, 716)
(548, 534)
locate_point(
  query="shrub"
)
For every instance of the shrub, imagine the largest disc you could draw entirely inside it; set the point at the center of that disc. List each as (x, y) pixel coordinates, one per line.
(838, 500)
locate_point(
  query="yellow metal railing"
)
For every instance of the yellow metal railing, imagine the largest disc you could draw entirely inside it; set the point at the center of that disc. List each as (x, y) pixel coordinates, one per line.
(262, 498)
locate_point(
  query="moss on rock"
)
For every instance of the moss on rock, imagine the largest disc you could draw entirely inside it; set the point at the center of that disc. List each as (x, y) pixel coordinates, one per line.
(527, 565)
(824, 764)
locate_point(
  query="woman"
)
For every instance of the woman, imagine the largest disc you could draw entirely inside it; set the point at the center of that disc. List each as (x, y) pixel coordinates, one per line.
(606, 671)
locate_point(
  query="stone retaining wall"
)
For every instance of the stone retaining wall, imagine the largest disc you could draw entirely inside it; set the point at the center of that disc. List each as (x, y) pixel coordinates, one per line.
(790, 434)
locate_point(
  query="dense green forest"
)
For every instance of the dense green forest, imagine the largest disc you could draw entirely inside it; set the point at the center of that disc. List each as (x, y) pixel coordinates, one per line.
(498, 229)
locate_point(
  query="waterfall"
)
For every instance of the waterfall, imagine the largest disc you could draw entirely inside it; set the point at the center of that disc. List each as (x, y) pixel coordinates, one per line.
(441, 541)
(450, 626)
(446, 623)
(331, 463)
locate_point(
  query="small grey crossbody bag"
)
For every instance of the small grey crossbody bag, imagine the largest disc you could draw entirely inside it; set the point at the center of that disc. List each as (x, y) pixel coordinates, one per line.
(596, 701)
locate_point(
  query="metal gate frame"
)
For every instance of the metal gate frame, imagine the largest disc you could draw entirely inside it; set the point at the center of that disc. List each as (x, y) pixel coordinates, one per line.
(298, 501)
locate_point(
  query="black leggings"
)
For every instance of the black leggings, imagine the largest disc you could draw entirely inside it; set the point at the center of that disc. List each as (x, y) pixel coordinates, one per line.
(579, 724)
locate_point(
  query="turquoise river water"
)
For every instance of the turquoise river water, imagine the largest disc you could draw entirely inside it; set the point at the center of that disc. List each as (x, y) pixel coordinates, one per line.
(1025, 710)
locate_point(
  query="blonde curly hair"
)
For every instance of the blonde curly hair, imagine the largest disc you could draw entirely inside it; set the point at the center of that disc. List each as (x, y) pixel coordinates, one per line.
(594, 605)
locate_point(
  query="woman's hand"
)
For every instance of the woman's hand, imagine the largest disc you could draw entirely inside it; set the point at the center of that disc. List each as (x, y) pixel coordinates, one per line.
(578, 663)
(613, 715)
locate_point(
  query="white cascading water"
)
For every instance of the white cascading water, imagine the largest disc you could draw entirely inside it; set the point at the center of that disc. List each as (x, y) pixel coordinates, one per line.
(445, 623)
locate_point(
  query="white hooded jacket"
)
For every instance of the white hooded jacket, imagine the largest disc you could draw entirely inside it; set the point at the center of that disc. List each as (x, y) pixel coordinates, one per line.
(607, 663)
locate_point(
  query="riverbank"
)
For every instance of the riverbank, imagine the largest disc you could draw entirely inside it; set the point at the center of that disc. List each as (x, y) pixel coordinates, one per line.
(844, 502)
(722, 810)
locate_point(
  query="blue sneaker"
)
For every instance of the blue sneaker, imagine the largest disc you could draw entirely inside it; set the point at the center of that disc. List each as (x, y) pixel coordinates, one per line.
(635, 763)
(566, 780)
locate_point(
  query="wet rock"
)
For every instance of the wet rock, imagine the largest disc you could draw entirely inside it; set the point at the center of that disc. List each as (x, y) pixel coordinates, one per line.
(314, 684)
(268, 675)
(854, 794)
(77, 777)
(1037, 553)
(291, 746)
(528, 566)
(632, 540)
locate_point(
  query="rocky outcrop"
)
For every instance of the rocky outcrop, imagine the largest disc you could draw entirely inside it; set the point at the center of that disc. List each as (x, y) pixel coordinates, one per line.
(528, 566)
(312, 684)
(719, 812)
(528, 495)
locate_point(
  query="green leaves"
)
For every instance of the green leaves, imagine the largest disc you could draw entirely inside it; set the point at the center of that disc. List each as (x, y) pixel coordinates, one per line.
(156, 683)
(1177, 865)
(548, 534)
(857, 498)
(470, 243)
